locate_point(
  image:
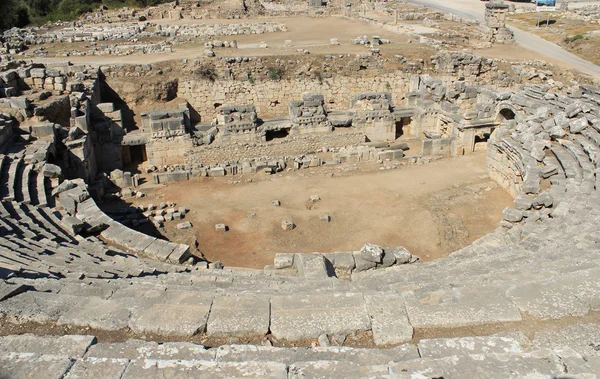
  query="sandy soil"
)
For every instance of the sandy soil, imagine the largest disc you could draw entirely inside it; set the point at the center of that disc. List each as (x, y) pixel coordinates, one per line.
(309, 33)
(432, 210)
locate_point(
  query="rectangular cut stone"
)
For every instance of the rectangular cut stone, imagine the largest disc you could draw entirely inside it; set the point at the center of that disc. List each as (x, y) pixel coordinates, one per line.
(388, 318)
(447, 347)
(297, 317)
(342, 261)
(8, 289)
(541, 364)
(148, 368)
(239, 316)
(72, 346)
(153, 250)
(473, 306)
(98, 368)
(170, 319)
(570, 294)
(139, 349)
(426, 368)
(289, 355)
(24, 366)
(583, 338)
(40, 307)
(310, 265)
(132, 240)
(180, 253)
(337, 369)
(283, 260)
(98, 314)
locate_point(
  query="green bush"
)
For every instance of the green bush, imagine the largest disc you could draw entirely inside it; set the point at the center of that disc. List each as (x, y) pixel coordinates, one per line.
(13, 13)
(22, 12)
(275, 73)
(573, 38)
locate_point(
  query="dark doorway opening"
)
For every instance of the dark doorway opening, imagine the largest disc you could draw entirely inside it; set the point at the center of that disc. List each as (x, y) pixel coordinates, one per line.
(276, 134)
(403, 126)
(138, 154)
(482, 138)
(132, 156)
(506, 115)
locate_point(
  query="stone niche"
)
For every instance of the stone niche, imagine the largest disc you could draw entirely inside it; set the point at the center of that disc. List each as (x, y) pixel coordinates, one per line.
(239, 122)
(308, 115)
(373, 114)
(167, 123)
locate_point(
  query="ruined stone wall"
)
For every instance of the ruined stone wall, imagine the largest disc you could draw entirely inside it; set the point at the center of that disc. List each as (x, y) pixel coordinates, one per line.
(271, 97)
(169, 151)
(296, 145)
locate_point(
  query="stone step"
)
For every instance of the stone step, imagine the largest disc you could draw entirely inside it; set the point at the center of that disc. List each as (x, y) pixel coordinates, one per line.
(583, 160)
(40, 190)
(591, 149)
(24, 218)
(593, 135)
(570, 166)
(14, 175)
(42, 217)
(548, 355)
(22, 184)
(17, 226)
(558, 185)
(55, 217)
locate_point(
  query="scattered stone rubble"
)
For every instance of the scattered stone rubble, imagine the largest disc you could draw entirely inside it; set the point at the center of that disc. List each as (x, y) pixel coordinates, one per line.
(128, 38)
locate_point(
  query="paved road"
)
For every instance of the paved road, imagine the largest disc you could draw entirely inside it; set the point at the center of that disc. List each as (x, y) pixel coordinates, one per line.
(475, 9)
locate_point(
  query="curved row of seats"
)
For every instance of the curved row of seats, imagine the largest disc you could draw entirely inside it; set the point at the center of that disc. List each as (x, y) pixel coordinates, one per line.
(34, 242)
(540, 264)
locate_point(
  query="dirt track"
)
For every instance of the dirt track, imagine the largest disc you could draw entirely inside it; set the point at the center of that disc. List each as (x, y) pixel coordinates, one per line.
(313, 34)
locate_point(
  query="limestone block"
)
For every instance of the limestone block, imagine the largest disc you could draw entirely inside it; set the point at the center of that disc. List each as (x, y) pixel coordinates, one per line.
(512, 215)
(303, 316)
(372, 253)
(184, 225)
(287, 225)
(389, 320)
(447, 347)
(310, 265)
(283, 260)
(72, 224)
(239, 316)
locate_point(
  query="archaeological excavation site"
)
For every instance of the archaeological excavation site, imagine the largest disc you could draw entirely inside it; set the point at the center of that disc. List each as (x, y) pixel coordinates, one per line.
(301, 189)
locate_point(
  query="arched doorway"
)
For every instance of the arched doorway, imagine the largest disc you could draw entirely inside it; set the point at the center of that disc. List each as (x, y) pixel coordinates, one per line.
(506, 117)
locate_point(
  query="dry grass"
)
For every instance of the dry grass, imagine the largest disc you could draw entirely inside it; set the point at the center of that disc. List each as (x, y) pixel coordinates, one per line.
(567, 33)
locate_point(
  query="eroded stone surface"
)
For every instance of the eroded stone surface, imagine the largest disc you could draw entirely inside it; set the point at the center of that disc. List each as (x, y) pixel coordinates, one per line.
(241, 316)
(298, 317)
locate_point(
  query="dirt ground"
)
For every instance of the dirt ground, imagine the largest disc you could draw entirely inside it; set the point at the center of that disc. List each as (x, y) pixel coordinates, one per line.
(431, 209)
(309, 33)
